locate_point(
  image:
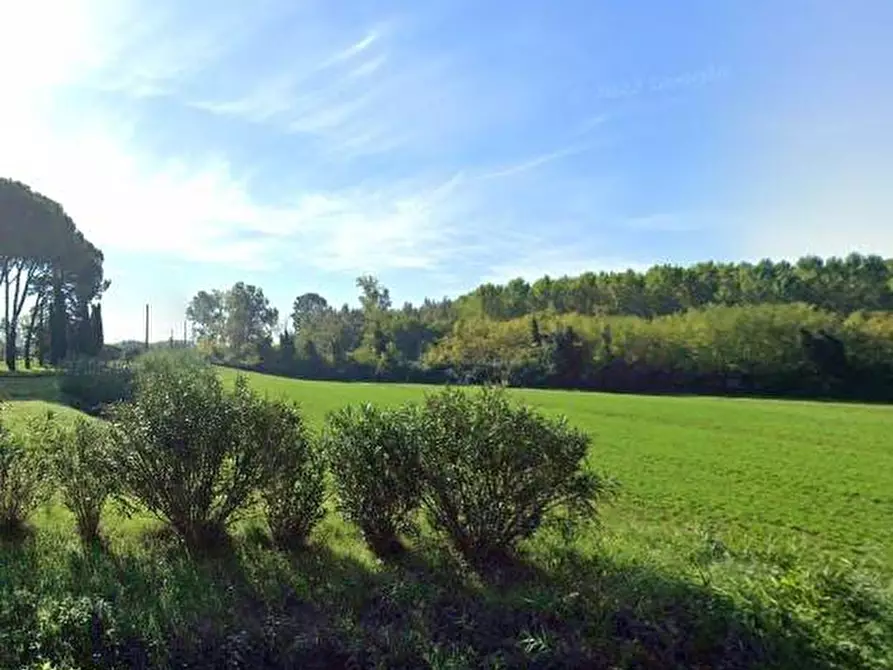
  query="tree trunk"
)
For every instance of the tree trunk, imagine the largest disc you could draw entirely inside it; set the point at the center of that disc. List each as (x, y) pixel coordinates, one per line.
(29, 333)
(41, 346)
(18, 303)
(10, 346)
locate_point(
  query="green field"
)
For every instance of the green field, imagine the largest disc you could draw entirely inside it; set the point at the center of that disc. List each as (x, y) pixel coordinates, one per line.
(754, 471)
(746, 533)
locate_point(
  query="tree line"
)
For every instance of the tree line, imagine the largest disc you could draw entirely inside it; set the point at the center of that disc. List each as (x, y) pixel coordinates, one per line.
(812, 327)
(51, 277)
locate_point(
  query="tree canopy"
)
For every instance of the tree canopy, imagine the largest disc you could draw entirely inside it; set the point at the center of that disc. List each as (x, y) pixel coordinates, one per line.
(809, 325)
(45, 261)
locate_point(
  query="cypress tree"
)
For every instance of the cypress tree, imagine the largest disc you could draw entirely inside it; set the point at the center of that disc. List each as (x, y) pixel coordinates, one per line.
(535, 337)
(58, 325)
(83, 331)
(96, 327)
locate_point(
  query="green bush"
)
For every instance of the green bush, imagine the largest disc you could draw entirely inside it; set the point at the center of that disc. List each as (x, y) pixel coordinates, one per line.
(185, 449)
(294, 488)
(373, 457)
(90, 385)
(494, 470)
(80, 460)
(23, 480)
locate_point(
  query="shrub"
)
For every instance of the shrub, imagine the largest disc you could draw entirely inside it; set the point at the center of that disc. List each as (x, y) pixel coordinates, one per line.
(373, 456)
(185, 450)
(90, 385)
(294, 487)
(494, 470)
(23, 480)
(80, 461)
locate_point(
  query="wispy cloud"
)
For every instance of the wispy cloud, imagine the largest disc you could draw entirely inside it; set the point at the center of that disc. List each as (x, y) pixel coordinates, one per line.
(198, 207)
(354, 49)
(679, 81)
(536, 161)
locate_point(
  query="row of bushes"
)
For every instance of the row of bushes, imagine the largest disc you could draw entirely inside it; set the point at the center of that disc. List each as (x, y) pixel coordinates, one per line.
(486, 472)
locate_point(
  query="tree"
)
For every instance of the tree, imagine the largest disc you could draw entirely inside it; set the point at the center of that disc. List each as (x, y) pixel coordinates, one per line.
(58, 331)
(41, 250)
(97, 329)
(375, 296)
(83, 331)
(306, 308)
(286, 350)
(249, 317)
(206, 312)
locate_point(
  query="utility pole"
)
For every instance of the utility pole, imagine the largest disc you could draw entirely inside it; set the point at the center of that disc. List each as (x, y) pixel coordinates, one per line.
(185, 339)
(147, 327)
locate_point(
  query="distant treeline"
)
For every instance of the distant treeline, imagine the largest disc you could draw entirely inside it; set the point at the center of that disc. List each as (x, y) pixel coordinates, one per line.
(816, 327)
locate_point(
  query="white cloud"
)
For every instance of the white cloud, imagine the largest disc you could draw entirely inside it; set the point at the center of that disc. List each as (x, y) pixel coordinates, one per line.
(535, 162)
(86, 156)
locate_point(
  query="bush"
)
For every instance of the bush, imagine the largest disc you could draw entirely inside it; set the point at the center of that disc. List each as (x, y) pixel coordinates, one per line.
(23, 471)
(80, 461)
(373, 456)
(294, 488)
(494, 470)
(90, 385)
(185, 448)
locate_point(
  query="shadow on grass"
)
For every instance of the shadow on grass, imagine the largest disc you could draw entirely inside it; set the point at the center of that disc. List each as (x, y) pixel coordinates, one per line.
(256, 608)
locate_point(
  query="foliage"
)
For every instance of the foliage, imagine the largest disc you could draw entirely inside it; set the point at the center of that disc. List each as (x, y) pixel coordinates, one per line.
(750, 534)
(840, 285)
(764, 348)
(91, 385)
(42, 254)
(23, 483)
(374, 460)
(708, 328)
(185, 448)
(240, 318)
(293, 489)
(494, 470)
(80, 461)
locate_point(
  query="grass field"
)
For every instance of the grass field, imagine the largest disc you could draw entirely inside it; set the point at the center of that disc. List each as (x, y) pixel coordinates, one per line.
(754, 471)
(747, 533)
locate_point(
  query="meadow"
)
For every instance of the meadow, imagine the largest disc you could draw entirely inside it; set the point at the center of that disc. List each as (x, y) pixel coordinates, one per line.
(745, 533)
(753, 471)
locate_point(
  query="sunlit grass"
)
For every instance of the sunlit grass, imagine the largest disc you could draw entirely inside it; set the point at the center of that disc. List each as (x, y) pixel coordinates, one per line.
(747, 534)
(820, 474)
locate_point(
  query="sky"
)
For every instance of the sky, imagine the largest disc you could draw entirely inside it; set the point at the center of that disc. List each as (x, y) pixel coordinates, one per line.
(296, 144)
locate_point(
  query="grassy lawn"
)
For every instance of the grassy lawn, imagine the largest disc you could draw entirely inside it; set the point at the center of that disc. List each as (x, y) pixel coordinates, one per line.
(747, 534)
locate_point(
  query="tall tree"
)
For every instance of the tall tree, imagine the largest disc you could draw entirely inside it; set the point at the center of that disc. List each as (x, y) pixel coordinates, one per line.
(83, 331)
(374, 295)
(206, 312)
(40, 245)
(249, 317)
(306, 308)
(58, 330)
(96, 328)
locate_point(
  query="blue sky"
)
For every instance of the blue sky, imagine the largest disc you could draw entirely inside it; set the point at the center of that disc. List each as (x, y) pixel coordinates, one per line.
(296, 144)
